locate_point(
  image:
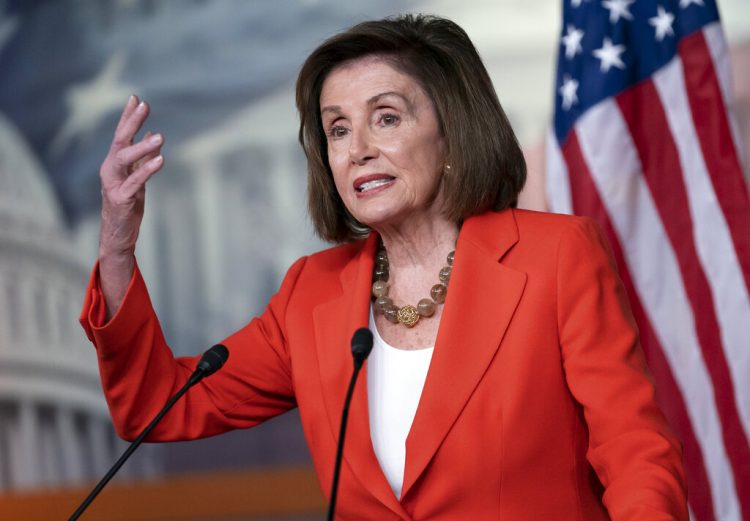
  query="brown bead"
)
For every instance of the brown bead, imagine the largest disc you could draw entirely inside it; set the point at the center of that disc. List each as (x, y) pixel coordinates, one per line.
(408, 316)
(381, 257)
(426, 307)
(450, 257)
(380, 274)
(445, 274)
(438, 293)
(380, 288)
(381, 303)
(391, 313)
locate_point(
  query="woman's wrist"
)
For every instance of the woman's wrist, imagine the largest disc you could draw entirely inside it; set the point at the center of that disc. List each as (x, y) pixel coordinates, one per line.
(116, 255)
(115, 271)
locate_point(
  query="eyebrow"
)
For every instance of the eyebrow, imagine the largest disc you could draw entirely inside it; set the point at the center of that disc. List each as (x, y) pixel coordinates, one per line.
(336, 109)
(378, 97)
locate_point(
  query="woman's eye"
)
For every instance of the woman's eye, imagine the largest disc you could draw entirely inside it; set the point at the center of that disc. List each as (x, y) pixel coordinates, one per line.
(337, 132)
(389, 119)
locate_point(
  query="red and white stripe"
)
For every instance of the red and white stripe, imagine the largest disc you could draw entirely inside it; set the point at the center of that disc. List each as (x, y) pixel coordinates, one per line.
(659, 167)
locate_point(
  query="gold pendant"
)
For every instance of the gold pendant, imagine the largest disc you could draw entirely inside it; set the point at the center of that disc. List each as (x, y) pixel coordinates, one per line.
(408, 316)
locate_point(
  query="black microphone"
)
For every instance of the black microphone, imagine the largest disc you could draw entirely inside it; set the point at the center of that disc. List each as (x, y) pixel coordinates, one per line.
(211, 361)
(361, 347)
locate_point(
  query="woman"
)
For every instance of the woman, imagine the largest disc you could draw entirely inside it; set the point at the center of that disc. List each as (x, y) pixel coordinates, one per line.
(522, 394)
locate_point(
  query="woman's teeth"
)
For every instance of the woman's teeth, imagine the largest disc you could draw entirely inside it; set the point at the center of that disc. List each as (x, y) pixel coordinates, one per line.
(369, 185)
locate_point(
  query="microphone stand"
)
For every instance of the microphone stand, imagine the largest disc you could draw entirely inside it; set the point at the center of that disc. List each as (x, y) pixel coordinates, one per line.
(204, 369)
(361, 347)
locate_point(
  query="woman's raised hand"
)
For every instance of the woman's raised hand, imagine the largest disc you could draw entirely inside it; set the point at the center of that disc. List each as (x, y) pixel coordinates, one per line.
(124, 173)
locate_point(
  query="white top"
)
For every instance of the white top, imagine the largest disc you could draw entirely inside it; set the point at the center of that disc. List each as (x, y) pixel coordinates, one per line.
(395, 379)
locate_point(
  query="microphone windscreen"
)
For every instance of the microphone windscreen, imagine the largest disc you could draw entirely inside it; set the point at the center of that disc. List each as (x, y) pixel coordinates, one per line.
(213, 359)
(362, 343)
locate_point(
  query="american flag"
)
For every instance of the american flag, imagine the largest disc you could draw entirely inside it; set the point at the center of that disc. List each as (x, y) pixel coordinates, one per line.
(644, 142)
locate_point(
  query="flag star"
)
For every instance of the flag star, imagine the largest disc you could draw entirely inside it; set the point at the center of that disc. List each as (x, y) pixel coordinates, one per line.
(569, 92)
(610, 55)
(687, 3)
(663, 23)
(575, 3)
(617, 9)
(572, 42)
(89, 103)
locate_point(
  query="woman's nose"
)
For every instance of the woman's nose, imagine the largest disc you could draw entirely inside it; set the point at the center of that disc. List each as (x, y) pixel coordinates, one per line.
(361, 147)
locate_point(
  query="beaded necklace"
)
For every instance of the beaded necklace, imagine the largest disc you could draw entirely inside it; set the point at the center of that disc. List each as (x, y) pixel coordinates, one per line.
(407, 315)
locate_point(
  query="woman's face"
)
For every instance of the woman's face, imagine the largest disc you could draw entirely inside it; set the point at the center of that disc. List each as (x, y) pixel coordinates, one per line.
(385, 148)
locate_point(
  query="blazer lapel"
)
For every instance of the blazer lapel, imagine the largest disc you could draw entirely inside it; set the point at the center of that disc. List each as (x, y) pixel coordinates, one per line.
(335, 323)
(482, 297)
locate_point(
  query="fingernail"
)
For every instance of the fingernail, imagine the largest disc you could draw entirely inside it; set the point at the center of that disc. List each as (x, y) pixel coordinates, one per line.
(131, 99)
(158, 159)
(155, 139)
(141, 106)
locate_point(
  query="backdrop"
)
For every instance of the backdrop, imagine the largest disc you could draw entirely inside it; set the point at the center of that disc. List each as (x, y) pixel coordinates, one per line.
(225, 217)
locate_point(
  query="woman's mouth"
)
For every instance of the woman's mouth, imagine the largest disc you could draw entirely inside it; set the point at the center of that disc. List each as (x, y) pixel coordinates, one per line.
(371, 183)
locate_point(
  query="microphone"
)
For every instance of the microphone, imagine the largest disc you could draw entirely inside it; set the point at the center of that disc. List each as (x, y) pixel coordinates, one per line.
(361, 347)
(211, 361)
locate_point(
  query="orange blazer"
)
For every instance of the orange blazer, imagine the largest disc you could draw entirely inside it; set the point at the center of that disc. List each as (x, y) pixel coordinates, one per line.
(537, 404)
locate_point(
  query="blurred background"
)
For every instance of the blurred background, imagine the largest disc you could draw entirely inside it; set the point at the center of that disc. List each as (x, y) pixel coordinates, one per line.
(224, 219)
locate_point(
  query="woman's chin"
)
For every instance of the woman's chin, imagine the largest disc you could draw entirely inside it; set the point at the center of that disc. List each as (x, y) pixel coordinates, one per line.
(389, 218)
(374, 220)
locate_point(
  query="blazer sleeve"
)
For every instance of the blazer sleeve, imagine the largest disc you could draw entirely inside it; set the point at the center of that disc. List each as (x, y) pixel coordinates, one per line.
(139, 372)
(631, 448)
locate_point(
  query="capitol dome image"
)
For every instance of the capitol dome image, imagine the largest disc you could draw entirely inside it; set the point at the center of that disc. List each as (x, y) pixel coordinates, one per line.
(54, 426)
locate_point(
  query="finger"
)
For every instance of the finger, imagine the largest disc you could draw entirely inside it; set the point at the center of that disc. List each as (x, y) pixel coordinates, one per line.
(127, 113)
(145, 159)
(150, 155)
(131, 155)
(130, 126)
(137, 180)
(128, 109)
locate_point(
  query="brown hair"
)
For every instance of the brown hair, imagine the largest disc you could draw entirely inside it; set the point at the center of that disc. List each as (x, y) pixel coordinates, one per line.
(487, 168)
